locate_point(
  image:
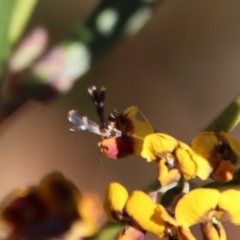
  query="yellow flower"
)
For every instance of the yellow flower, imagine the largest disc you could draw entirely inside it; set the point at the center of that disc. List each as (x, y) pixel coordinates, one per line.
(46, 210)
(221, 150)
(158, 146)
(167, 175)
(209, 207)
(133, 132)
(191, 164)
(115, 199)
(130, 124)
(138, 210)
(148, 215)
(174, 156)
(91, 213)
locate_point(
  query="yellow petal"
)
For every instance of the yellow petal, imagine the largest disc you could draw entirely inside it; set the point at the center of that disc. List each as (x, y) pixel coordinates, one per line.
(166, 217)
(167, 176)
(230, 204)
(202, 167)
(204, 144)
(80, 229)
(91, 213)
(186, 164)
(131, 126)
(156, 145)
(115, 198)
(213, 232)
(194, 207)
(141, 209)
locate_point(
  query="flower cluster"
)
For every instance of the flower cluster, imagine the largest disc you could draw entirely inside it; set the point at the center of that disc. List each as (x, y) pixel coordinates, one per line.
(215, 155)
(177, 204)
(203, 205)
(139, 211)
(53, 208)
(210, 155)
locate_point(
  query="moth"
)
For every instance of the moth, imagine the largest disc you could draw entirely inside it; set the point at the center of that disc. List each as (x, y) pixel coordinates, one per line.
(121, 132)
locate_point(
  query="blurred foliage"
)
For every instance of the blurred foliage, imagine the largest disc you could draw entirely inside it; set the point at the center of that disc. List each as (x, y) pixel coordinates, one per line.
(6, 11)
(59, 68)
(14, 15)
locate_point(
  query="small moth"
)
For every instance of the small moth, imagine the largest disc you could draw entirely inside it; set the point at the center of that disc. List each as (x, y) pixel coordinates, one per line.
(119, 131)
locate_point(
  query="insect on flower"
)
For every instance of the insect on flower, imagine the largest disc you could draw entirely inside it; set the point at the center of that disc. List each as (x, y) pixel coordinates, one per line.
(122, 133)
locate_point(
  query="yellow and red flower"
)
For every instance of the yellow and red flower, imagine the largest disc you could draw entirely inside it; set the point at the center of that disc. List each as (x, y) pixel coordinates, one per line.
(221, 150)
(209, 207)
(133, 132)
(174, 158)
(139, 211)
(46, 210)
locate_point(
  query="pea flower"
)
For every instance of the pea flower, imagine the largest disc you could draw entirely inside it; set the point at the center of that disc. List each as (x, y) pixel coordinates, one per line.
(209, 207)
(115, 199)
(221, 150)
(139, 211)
(174, 158)
(43, 211)
(130, 141)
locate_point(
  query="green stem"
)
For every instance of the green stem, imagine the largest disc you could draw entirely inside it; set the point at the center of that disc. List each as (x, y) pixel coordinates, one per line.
(228, 119)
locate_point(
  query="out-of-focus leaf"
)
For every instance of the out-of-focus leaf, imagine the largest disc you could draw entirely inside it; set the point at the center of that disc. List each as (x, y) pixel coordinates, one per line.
(13, 18)
(20, 15)
(92, 38)
(109, 20)
(6, 10)
(228, 119)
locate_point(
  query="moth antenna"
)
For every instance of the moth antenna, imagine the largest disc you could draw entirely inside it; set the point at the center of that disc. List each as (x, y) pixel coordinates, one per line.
(142, 114)
(101, 160)
(98, 99)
